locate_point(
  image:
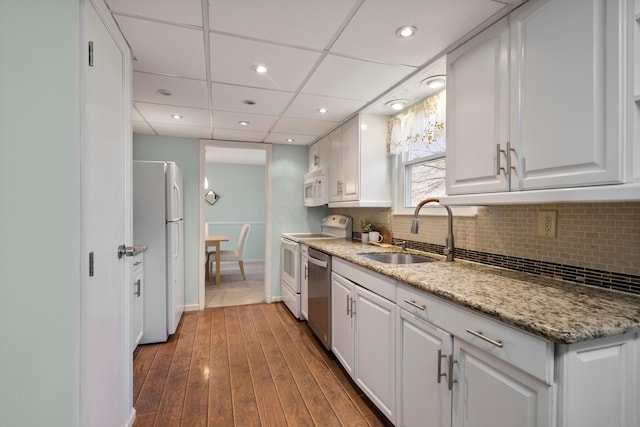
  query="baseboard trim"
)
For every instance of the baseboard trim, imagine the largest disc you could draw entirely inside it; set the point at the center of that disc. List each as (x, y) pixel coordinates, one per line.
(192, 307)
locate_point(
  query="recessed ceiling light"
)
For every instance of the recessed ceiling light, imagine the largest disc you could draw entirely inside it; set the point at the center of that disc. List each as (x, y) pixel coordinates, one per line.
(322, 110)
(406, 31)
(164, 92)
(290, 139)
(176, 116)
(261, 69)
(249, 102)
(435, 82)
(396, 104)
(243, 123)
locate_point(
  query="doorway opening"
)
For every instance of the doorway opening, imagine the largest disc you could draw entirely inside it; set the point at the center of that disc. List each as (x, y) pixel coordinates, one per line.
(236, 191)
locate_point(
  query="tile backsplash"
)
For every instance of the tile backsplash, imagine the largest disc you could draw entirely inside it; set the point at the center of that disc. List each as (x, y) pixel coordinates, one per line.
(596, 238)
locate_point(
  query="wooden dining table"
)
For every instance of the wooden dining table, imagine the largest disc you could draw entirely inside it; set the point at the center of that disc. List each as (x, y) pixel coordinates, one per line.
(215, 241)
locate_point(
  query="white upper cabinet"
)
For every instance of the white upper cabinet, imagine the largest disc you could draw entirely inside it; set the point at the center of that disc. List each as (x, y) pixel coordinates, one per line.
(541, 100)
(319, 155)
(359, 168)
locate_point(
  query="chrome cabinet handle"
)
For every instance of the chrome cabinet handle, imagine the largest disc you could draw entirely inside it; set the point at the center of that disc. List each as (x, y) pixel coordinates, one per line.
(137, 285)
(306, 271)
(353, 302)
(440, 374)
(451, 380)
(498, 167)
(348, 306)
(478, 334)
(414, 304)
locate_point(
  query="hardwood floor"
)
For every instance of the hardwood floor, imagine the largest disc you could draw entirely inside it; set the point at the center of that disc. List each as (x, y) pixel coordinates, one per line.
(251, 365)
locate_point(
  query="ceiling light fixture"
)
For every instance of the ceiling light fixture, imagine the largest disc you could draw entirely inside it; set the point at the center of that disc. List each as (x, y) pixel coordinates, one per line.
(261, 69)
(396, 104)
(249, 102)
(176, 116)
(435, 82)
(243, 123)
(164, 92)
(290, 139)
(406, 31)
(322, 110)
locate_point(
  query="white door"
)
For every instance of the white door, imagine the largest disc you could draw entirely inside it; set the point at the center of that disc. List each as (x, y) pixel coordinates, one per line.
(375, 351)
(424, 397)
(342, 321)
(104, 342)
(477, 112)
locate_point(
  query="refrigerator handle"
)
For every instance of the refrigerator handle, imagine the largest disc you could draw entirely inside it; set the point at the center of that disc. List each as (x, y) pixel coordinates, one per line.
(176, 201)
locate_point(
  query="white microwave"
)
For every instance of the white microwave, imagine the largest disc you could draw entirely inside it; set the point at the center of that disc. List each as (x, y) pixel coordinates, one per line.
(316, 188)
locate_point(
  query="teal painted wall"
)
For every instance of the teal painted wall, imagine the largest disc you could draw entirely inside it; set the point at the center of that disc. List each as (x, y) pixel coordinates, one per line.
(183, 151)
(39, 213)
(242, 199)
(288, 166)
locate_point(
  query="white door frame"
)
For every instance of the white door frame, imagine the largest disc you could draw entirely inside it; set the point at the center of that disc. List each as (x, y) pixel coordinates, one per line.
(202, 204)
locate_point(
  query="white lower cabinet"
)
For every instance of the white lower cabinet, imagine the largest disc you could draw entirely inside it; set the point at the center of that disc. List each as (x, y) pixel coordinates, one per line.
(423, 394)
(424, 361)
(137, 301)
(364, 335)
(599, 382)
(490, 392)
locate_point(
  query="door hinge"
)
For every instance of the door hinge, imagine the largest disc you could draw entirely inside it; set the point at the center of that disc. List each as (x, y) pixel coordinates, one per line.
(90, 54)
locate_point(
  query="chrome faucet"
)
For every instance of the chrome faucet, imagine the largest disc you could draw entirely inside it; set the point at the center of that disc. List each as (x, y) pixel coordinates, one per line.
(449, 248)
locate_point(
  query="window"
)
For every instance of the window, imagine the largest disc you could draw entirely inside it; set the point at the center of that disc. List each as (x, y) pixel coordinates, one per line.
(417, 139)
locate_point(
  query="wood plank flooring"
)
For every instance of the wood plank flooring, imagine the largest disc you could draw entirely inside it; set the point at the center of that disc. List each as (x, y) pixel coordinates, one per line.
(251, 365)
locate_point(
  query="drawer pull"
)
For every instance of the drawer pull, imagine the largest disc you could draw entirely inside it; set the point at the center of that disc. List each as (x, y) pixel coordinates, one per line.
(418, 306)
(440, 374)
(478, 334)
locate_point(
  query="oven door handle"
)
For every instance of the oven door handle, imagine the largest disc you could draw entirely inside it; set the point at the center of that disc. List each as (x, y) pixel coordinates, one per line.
(318, 262)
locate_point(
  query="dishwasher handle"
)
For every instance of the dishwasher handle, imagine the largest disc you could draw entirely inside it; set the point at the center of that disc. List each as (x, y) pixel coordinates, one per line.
(319, 263)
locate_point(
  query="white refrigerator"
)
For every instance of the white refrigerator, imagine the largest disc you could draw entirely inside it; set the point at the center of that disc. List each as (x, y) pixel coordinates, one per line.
(158, 223)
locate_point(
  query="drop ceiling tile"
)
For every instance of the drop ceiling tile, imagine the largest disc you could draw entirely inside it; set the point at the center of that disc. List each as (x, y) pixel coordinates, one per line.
(234, 61)
(182, 131)
(439, 23)
(238, 135)
(281, 138)
(164, 49)
(184, 11)
(231, 98)
(301, 23)
(412, 90)
(162, 114)
(135, 115)
(141, 127)
(184, 92)
(307, 107)
(341, 77)
(287, 125)
(231, 119)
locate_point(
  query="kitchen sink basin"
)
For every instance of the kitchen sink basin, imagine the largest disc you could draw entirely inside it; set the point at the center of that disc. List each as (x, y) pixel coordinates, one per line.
(396, 258)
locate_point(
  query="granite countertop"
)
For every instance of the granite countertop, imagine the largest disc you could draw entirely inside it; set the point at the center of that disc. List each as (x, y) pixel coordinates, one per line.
(138, 249)
(558, 311)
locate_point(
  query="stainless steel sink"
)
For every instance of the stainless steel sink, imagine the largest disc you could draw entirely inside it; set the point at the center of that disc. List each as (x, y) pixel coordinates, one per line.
(396, 258)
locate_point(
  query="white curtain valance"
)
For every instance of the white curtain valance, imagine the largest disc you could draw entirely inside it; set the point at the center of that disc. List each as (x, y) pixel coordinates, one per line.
(421, 125)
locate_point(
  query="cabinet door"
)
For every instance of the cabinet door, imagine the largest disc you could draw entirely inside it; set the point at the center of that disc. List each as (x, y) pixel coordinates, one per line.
(351, 160)
(489, 392)
(477, 112)
(342, 321)
(335, 166)
(424, 398)
(375, 349)
(137, 307)
(304, 286)
(567, 75)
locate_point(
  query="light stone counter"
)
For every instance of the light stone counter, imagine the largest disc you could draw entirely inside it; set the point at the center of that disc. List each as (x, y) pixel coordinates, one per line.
(558, 311)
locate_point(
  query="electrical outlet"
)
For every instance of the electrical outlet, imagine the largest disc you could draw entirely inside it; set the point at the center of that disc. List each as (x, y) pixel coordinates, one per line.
(547, 223)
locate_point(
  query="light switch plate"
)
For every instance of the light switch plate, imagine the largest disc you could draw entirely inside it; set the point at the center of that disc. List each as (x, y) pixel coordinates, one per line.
(547, 223)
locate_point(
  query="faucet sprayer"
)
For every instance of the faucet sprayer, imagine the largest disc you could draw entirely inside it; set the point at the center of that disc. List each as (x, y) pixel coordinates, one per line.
(449, 248)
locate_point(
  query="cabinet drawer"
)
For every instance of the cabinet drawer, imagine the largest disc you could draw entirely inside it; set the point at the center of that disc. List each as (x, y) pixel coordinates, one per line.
(375, 282)
(528, 352)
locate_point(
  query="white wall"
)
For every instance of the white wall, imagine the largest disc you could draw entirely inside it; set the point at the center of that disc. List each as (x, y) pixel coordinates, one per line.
(39, 213)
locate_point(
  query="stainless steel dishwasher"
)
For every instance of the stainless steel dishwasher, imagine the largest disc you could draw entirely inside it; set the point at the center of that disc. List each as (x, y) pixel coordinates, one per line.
(319, 268)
